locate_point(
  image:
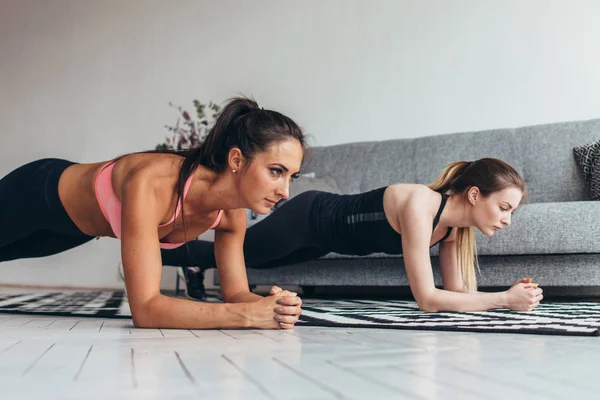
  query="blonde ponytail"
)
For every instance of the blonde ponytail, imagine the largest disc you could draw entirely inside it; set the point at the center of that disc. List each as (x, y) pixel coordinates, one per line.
(466, 248)
(448, 176)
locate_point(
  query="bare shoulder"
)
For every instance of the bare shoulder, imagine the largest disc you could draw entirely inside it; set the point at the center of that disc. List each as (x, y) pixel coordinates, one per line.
(410, 205)
(411, 198)
(157, 173)
(152, 176)
(148, 166)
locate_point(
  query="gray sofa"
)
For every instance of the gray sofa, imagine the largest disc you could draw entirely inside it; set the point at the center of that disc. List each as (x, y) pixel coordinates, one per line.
(554, 237)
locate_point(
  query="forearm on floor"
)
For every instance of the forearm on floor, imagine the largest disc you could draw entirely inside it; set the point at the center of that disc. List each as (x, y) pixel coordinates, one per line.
(444, 300)
(243, 297)
(168, 312)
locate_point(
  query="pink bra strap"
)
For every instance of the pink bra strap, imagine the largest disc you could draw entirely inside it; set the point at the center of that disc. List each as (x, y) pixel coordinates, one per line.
(217, 220)
(179, 205)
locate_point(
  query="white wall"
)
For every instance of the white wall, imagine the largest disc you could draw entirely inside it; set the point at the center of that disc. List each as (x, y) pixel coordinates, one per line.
(88, 80)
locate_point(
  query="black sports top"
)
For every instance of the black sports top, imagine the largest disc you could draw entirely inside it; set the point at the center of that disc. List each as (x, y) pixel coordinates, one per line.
(356, 224)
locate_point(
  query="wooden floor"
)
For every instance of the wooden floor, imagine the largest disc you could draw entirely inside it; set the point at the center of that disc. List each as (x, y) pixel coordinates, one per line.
(73, 358)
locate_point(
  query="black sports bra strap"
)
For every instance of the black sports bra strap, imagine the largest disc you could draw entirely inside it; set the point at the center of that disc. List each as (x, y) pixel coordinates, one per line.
(447, 234)
(437, 216)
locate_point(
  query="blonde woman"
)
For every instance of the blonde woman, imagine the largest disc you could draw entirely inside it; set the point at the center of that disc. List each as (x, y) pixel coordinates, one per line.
(404, 219)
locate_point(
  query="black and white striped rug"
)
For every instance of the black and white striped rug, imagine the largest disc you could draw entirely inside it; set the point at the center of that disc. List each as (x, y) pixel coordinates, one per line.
(568, 318)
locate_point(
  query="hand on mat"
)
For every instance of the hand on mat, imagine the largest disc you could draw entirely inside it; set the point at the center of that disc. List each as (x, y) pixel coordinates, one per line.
(530, 280)
(524, 295)
(288, 309)
(279, 311)
(289, 305)
(275, 290)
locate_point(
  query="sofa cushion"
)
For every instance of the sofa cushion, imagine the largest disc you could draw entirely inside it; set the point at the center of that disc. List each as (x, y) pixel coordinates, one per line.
(309, 181)
(574, 270)
(547, 228)
(541, 153)
(588, 159)
(345, 163)
(549, 167)
(391, 161)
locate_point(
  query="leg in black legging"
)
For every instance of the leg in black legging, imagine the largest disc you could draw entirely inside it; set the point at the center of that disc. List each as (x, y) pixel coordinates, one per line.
(282, 238)
(194, 253)
(201, 253)
(33, 221)
(41, 244)
(300, 255)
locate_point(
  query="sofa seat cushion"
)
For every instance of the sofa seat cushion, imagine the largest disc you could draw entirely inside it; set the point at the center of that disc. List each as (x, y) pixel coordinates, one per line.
(547, 228)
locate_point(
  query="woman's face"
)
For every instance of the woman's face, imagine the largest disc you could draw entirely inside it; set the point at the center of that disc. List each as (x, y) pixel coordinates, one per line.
(494, 212)
(267, 178)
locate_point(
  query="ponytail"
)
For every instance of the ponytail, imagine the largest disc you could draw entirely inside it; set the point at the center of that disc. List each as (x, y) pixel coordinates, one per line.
(225, 134)
(465, 237)
(489, 175)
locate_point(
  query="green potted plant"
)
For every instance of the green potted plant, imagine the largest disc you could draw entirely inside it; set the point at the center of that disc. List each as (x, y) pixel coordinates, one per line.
(191, 129)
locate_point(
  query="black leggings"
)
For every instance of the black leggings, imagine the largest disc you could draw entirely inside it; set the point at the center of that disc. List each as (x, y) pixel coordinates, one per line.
(284, 238)
(33, 221)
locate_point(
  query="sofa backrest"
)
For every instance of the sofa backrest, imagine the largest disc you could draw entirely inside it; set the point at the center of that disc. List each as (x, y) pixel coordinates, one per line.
(543, 154)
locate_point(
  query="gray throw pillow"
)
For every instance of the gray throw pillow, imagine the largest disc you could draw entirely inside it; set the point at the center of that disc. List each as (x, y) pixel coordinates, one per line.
(588, 159)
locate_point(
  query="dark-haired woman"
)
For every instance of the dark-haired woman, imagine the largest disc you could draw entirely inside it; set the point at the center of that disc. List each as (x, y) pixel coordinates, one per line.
(404, 219)
(160, 200)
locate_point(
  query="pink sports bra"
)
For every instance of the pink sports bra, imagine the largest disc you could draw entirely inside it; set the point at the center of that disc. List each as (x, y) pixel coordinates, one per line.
(111, 205)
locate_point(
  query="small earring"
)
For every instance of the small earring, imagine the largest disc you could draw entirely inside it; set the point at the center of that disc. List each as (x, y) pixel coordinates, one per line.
(234, 170)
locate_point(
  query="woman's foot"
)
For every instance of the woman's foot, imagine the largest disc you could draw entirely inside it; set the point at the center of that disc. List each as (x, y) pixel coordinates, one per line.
(194, 282)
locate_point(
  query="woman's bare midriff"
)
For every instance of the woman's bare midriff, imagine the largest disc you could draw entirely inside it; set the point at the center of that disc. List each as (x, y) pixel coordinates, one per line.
(77, 194)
